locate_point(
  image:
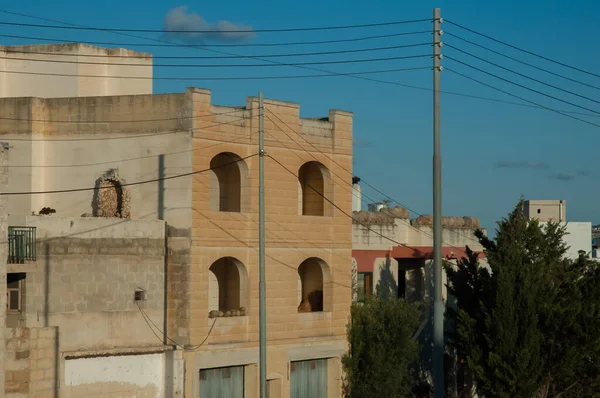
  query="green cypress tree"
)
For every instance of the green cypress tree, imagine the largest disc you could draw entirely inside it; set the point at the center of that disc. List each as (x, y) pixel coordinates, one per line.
(497, 324)
(381, 348)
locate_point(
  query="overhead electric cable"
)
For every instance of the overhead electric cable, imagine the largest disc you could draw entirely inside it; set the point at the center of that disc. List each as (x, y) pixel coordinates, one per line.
(520, 85)
(280, 44)
(522, 49)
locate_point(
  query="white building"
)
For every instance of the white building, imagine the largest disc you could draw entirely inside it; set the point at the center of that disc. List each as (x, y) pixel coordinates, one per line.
(579, 234)
(73, 70)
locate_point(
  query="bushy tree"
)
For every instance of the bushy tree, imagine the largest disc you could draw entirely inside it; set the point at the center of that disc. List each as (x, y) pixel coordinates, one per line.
(381, 348)
(529, 325)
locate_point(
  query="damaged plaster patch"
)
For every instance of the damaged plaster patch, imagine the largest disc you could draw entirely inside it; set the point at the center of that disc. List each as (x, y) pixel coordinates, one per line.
(111, 197)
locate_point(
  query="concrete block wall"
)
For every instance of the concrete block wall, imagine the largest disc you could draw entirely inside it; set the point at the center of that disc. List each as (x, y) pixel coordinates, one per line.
(32, 365)
(84, 282)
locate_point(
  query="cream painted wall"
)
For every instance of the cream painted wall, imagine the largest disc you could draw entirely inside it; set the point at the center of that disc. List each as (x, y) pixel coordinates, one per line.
(88, 71)
(148, 375)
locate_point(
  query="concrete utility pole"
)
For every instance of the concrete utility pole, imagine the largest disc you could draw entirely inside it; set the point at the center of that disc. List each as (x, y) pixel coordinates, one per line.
(261, 247)
(438, 304)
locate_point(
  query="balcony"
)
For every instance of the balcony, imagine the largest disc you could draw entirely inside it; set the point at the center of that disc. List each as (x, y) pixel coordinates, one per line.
(21, 245)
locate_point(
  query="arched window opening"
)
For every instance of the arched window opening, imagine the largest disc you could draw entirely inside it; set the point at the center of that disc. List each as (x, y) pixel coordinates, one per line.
(310, 289)
(228, 176)
(228, 282)
(311, 180)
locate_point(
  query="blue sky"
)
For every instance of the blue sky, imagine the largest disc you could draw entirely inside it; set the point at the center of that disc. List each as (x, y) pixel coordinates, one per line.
(492, 153)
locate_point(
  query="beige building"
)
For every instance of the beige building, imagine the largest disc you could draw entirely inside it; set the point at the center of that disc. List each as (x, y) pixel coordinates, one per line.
(546, 210)
(122, 145)
(391, 250)
(73, 70)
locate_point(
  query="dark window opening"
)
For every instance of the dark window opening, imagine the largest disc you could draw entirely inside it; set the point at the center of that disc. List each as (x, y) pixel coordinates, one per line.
(15, 284)
(365, 285)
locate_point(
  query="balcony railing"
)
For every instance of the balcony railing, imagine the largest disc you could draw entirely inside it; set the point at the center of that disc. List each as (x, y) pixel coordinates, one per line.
(21, 245)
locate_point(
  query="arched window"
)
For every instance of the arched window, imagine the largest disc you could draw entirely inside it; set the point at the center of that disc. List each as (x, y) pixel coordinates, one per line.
(313, 180)
(313, 275)
(228, 287)
(228, 183)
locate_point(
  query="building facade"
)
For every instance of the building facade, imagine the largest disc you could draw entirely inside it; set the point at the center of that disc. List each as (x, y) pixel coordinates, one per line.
(578, 237)
(180, 159)
(73, 70)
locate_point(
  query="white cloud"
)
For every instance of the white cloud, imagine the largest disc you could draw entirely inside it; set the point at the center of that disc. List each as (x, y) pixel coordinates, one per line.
(189, 23)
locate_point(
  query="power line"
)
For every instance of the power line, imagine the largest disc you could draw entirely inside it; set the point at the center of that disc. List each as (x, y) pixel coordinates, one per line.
(150, 322)
(521, 74)
(227, 53)
(280, 44)
(346, 61)
(523, 50)
(521, 98)
(118, 121)
(520, 85)
(315, 28)
(359, 50)
(127, 184)
(359, 76)
(123, 137)
(522, 62)
(349, 74)
(332, 160)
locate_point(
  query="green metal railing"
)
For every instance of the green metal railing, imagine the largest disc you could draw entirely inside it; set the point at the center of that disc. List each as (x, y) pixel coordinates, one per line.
(21, 245)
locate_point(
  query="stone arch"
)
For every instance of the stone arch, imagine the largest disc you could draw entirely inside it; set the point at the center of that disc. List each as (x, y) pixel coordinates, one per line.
(111, 197)
(314, 286)
(229, 183)
(314, 187)
(228, 288)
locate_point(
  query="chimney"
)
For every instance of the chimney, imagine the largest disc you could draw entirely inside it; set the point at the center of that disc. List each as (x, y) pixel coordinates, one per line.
(356, 196)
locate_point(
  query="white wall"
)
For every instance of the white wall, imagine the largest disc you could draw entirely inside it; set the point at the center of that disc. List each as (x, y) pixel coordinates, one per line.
(49, 166)
(87, 69)
(158, 375)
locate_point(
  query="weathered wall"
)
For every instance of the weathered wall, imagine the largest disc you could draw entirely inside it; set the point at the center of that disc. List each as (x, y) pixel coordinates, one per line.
(142, 375)
(3, 253)
(67, 143)
(87, 71)
(85, 278)
(32, 364)
(291, 238)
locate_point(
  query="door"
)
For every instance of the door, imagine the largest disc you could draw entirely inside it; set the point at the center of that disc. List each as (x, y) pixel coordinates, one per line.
(222, 382)
(308, 379)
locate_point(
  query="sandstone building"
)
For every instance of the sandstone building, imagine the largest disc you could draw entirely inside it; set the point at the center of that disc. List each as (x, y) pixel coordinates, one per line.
(183, 249)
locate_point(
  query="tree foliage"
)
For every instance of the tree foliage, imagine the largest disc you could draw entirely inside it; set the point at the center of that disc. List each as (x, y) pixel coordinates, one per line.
(381, 348)
(529, 324)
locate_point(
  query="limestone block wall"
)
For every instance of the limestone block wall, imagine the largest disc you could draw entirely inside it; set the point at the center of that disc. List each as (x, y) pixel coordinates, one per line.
(32, 364)
(291, 237)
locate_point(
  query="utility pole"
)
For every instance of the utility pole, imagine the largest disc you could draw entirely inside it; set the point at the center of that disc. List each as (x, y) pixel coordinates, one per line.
(261, 247)
(438, 304)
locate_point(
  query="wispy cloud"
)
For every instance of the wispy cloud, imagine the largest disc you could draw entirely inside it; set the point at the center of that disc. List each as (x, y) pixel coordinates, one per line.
(523, 164)
(361, 144)
(570, 176)
(189, 23)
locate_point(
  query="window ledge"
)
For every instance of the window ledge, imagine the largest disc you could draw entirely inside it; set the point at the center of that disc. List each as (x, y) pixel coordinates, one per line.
(314, 316)
(228, 321)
